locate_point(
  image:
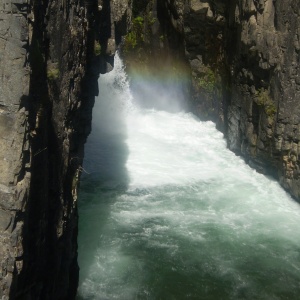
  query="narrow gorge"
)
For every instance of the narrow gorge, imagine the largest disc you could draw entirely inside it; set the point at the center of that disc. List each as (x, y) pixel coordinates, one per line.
(164, 216)
(234, 62)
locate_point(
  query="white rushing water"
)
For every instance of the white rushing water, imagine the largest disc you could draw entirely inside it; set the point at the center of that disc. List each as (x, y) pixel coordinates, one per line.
(168, 212)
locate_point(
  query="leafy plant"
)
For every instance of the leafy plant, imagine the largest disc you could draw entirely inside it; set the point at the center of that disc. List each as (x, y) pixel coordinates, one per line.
(97, 48)
(136, 36)
(150, 19)
(130, 41)
(52, 74)
(208, 81)
(264, 100)
(138, 21)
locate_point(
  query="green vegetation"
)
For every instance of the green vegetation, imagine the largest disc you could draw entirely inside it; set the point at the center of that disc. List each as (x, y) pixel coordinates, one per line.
(140, 32)
(207, 82)
(264, 100)
(150, 19)
(130, 41)
(97, 48)
(52, 74)
(136, 36)
(144, 48)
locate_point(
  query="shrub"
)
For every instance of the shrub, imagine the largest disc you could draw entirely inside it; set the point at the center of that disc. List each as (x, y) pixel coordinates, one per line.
(136, 36)
(264, 100)
(208, 81)
(52, 74)
(97, 48)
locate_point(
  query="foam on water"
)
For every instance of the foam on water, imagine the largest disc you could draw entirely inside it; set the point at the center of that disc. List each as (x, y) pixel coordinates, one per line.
(167, 212)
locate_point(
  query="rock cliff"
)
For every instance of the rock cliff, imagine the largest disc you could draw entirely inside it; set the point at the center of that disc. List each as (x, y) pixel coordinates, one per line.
(51, 53)
(244, 60)
(41, 76)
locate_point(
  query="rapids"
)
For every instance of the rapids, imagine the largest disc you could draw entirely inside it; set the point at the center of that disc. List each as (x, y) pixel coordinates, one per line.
(168, 212)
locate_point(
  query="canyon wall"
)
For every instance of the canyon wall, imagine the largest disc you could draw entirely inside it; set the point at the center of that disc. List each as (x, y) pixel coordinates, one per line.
(41, 73)
(244, 60)
(51, 53)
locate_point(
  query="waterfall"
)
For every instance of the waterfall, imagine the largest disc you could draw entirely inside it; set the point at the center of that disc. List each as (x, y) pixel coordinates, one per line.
(168, 212)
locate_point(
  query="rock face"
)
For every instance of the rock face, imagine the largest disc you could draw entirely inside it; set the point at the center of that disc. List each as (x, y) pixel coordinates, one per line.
(244, 58)
(51, 53)
(41, 148)
(263, 116)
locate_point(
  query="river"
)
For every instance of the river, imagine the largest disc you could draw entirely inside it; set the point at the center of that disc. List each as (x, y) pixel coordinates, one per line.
(168, 212)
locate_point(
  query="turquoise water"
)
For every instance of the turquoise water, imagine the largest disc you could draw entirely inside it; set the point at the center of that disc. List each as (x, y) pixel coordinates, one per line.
(167, 212)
